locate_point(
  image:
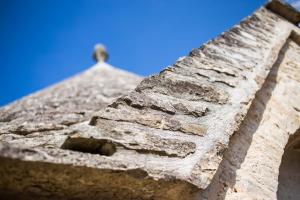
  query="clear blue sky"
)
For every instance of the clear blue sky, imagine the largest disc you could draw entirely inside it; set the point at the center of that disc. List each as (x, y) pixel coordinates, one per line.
(45, 41)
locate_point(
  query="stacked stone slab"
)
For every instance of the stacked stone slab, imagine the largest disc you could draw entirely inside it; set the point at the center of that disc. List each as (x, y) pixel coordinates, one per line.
(178, 135)
(250, 167)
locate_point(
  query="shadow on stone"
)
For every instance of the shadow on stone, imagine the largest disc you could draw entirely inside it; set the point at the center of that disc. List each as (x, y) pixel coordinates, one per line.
(289, 174)
(90, 145)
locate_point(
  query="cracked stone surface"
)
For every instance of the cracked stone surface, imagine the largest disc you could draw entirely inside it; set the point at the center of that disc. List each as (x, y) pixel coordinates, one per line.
(104, 134)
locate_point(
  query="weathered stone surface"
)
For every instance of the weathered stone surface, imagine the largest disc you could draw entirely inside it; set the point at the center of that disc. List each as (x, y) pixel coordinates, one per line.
(222, 77)
(285, 10)
(289, 174)
(67, 103)
(250, 168)
(166, 139)
(69, 182)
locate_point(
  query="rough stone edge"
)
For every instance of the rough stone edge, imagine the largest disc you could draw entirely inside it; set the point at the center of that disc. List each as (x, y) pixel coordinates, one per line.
(284, 10)
(78, 182)
(270, 61)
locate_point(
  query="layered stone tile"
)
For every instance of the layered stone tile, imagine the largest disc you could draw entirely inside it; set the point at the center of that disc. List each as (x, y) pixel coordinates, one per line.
(163, 140)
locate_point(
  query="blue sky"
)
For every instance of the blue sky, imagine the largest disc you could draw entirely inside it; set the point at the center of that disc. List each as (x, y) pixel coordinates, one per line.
(295, 3)
(45, 41)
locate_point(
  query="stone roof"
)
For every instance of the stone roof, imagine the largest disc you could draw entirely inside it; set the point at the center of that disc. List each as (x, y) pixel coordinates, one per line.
(162, 138)
(69, 102)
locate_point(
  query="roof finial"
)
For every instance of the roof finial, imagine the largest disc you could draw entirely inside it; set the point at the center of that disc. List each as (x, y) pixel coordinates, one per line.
(100, 54)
